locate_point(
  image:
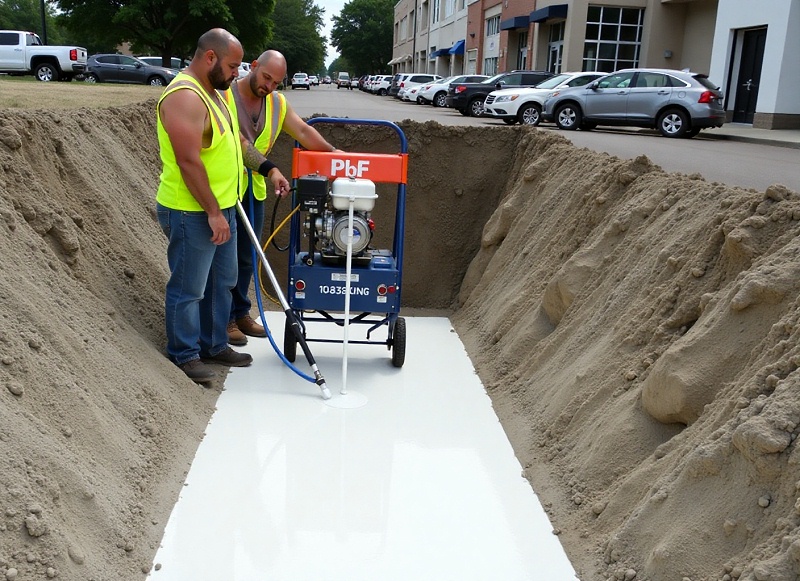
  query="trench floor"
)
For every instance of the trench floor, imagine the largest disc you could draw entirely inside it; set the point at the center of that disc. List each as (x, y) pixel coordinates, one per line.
(408, 476)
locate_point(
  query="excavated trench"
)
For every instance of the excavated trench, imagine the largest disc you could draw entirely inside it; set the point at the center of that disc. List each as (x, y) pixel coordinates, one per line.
(636, 331)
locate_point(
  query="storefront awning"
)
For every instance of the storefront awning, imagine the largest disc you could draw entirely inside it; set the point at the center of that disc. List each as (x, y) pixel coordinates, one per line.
(548, 12)
(516, 22)
(457, 48)
(440, 52)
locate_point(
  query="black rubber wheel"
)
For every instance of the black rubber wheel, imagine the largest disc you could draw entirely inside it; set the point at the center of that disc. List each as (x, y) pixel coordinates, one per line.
(46, 72)
(289, 342)
(156, 81)
(464, 112)
(568, 117)
(399, 342)
(673, 123)
(509, 121)
(90, 78)
(588, 126)
(692, 132)
(475, 108)
(382, 92)
(530, 114)
(440, 99)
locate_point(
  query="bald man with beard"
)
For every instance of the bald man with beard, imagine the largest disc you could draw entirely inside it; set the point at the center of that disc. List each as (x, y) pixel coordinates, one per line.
(263, 114)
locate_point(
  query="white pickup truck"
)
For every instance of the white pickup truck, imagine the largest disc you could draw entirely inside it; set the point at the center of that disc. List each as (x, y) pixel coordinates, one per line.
(23, 53)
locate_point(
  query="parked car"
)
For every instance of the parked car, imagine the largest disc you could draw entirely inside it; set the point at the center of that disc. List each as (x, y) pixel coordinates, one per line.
(121, 68)
(314, 80)
(677, 103)
(524, 105)
(301, 80)
(436, 93)
(22, 52)
(175, 62)
(244, 68)
(409, 80)
(381, 85)
(343, 80)
(326, 80)
(468, 98)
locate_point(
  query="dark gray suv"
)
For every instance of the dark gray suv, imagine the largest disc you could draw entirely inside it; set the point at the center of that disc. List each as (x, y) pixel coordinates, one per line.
(677, 103)
(121, 68)
(468, 98)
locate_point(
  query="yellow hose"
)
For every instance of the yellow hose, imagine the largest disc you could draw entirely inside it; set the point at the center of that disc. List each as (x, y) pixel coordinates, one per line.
(261, 277)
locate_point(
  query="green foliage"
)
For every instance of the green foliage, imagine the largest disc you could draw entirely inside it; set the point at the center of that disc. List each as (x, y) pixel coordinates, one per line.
(27, 15)
(296, 34)
(166, 27)
(340, 64)
(362, 33)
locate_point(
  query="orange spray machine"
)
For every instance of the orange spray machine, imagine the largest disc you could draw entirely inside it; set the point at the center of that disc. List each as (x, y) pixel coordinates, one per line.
(336, 275)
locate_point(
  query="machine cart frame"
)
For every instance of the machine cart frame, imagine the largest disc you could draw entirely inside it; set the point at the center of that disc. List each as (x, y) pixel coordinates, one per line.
(316, 285)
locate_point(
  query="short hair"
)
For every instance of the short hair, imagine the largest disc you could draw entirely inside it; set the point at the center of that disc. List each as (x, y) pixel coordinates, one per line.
(217, 39)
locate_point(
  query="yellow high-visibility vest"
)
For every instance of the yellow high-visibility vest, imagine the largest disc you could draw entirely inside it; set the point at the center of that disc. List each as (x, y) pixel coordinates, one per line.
(274, 114)
(222, 159)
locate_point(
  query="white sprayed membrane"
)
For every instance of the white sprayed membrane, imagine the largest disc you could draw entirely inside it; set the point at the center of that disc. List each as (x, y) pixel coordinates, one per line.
(418, 482)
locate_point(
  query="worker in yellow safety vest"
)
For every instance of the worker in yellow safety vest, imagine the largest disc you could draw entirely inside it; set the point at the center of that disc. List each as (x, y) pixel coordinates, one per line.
(263, 114)
(202, 152)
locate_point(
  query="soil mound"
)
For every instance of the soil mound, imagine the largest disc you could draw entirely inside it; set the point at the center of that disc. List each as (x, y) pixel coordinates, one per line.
(636, 330)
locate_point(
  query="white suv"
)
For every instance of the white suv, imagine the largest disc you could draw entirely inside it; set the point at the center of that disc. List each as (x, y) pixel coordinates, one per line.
(380, 86)
(525, 105)
(301, 80)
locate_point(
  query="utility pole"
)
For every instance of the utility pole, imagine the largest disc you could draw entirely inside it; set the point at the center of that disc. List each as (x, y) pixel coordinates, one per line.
(44, 23)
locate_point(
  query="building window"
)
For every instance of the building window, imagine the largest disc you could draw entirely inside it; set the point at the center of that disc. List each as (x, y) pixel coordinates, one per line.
(404, 29)
(449, 8)
(493, 25)
(490, 66)
(613, 38)
(435, 11)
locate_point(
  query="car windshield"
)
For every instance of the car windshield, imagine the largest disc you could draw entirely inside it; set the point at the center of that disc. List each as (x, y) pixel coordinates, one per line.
(553, 82)
(493, 80)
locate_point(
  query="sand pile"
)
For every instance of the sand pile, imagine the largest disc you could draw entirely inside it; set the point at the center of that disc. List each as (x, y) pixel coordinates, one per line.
(635, 329)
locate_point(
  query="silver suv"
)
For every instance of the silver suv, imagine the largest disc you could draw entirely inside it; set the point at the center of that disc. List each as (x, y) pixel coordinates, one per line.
(677, 103)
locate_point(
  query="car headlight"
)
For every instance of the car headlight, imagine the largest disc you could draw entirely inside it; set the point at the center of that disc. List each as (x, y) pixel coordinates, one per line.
(506, 98)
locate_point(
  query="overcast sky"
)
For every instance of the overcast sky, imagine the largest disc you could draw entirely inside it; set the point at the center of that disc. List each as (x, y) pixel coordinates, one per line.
(332, 8)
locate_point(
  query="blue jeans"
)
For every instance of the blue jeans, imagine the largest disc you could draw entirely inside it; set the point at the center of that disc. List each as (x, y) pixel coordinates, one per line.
(241, 304)
(198, 296)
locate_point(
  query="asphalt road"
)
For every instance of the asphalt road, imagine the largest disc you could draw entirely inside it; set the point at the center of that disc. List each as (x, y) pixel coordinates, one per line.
(733, 163)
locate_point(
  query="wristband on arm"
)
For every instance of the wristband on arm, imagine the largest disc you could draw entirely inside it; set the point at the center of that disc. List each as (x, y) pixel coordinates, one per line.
(266, 167)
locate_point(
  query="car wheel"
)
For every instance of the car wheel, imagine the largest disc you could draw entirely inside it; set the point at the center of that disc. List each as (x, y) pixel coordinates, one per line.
(440, 99)
(568, 117)
(156, 81)
(46, 72)
(464, 112)
(90, 78)
(475, 108)
(588, 126)
(673, 123)
(382, 92)
(530, 114)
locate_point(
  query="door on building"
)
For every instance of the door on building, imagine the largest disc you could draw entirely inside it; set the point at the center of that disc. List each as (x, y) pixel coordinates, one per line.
(749, 77)
(555, 46)
(522, 51)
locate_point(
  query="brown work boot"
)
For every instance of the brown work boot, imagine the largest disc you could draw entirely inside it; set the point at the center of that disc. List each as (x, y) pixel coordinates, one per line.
(229, 357)
(235, 336)
(197, 371)
(249, 327)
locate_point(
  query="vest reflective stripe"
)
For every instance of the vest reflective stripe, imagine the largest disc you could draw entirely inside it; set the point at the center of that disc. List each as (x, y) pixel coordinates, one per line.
(274, 115)
(221, 158)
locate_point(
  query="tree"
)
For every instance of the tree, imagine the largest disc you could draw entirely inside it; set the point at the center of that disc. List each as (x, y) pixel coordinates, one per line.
(362, 32)
(166, 27)
(27, 15)
(296, 25)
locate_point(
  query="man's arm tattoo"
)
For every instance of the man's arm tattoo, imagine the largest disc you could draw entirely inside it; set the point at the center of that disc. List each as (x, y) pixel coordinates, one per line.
(252, 157)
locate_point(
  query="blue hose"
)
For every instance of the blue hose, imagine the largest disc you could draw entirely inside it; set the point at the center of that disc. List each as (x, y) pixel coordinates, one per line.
(254, 258)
